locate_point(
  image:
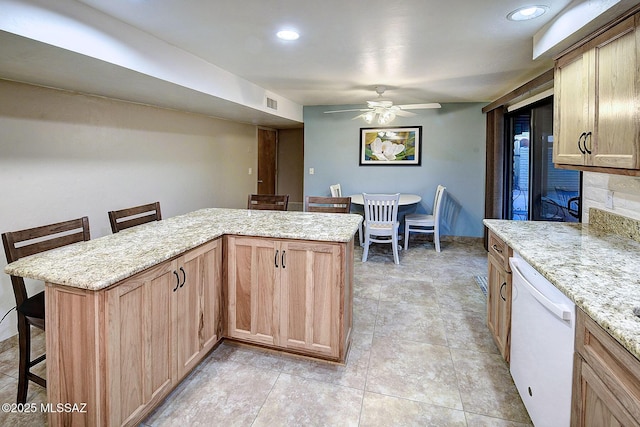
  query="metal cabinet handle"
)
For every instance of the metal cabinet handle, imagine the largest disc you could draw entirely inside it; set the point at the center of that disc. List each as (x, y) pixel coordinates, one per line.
(275, 259)
(177, 281)
(283, 258)
(496, 248)
(582, 135)
(588, 135)
(502, 287)
(184, 276)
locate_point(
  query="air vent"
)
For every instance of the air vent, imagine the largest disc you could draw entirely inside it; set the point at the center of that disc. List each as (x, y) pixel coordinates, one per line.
(272, 103)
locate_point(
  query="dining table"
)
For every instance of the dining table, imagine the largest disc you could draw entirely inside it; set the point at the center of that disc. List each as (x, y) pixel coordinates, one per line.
(405, 199)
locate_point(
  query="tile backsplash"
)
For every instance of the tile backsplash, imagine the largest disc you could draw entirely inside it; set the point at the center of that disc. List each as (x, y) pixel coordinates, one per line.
(626, 194)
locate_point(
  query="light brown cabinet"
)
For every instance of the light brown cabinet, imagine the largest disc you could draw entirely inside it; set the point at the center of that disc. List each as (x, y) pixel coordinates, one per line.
(123, 349)
(596, 89)
(310, 298)
(253, 289)
(292, 295)
(196, 308)
(606, 379)
(499, 293)
(139, 347)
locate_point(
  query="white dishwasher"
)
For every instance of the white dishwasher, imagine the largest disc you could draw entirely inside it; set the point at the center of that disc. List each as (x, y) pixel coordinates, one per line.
(542, 341)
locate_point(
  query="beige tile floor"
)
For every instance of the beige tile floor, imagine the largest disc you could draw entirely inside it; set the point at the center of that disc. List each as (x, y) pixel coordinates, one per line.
(421, 356)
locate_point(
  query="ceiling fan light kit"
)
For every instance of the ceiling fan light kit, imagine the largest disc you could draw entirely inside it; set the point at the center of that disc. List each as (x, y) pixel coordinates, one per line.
(383, 112)
(383, 116)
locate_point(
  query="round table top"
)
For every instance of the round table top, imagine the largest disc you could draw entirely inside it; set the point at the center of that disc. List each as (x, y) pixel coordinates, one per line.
(405, 199)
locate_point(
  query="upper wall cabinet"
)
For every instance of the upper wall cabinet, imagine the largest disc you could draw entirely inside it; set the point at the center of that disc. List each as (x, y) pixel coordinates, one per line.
(596, 117)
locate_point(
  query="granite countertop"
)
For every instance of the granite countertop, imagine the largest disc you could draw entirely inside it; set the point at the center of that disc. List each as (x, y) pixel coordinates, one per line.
(598, 270)
(99, 263)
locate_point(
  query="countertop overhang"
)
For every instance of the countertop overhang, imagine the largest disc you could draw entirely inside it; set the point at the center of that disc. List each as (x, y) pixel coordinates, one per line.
(597, 270)
(102, 262)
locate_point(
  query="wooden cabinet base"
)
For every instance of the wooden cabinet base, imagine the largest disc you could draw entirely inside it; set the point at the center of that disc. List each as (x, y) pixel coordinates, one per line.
(290, 295)
(499, 294)
(121, 350)
(118, 352)
(606, 379)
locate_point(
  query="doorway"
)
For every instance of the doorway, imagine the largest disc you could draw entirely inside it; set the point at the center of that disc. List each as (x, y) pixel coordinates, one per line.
(267, 149)
(536, 189)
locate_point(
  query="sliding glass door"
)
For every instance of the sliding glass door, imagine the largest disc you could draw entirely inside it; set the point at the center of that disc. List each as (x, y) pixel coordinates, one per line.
(536, 190)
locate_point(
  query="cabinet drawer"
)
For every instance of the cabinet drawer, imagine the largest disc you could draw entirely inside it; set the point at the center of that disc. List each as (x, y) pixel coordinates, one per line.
(617, 369)
(499, 250)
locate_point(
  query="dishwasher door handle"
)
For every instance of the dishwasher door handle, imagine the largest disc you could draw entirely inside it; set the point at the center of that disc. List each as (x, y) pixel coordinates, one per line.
(560, 311)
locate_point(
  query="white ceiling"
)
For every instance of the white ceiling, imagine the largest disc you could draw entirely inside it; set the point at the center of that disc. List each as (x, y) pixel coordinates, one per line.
(422, 50)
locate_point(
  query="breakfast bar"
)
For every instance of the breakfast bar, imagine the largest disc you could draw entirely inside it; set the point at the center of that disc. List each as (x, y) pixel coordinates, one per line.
(129, 315)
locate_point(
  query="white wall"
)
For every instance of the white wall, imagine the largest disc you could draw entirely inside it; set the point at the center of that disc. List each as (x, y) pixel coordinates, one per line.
(64, 155)
(626, 194)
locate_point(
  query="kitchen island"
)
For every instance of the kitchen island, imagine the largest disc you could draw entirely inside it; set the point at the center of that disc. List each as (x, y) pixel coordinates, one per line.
(129, 315)
(597, 267)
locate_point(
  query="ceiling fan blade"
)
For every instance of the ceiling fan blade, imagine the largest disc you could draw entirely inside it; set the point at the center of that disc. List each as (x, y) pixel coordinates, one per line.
(346, 111)
(419, 106)
(404, 113)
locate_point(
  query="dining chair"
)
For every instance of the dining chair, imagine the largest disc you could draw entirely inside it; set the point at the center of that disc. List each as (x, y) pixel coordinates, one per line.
(327, 204)
(336, 191)
(381, 222)
(272, 202)
(426, 223)
(31, 309)
(130, 217)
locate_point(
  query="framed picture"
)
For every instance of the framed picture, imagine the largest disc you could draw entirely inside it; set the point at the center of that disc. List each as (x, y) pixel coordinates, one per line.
(391, 146)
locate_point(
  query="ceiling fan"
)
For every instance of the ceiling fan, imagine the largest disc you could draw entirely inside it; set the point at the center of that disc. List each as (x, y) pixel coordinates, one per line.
(383, 111)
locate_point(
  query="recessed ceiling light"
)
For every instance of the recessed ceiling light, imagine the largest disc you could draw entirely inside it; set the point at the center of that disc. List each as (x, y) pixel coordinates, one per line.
(287, 35)
(527, 12)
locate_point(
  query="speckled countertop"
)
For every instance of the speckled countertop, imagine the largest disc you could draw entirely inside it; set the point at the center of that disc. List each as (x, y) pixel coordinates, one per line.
(101, 262)
(596, 269)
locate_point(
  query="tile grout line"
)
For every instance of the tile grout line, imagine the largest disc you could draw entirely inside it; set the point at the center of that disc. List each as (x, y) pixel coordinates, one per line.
(366, 376)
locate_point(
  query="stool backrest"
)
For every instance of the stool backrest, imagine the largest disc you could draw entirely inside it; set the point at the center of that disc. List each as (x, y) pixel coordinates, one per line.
(272, 202)
(327, 204)
(30, 241)
(130, 217)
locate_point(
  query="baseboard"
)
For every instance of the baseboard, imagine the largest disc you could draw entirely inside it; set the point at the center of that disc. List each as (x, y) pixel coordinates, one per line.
(459, 239)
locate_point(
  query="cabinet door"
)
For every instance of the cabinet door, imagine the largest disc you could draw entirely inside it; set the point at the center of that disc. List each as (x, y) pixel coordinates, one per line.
(499, 306)
(615, 142)
(571, 108)
(594, 404)
(253, 289)
(196, 307)
(311, 286)
(139, 343)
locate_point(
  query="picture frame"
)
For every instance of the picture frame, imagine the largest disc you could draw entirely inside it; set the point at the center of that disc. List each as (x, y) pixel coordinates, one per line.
(391, 146)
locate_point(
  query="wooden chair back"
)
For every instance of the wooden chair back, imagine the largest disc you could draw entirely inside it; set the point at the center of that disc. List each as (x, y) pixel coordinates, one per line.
(271, 202)
(327, 204)
(130, 217)
(22, 243)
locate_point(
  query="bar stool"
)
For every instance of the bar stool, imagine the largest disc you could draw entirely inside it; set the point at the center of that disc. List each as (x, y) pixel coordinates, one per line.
(31, 309)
